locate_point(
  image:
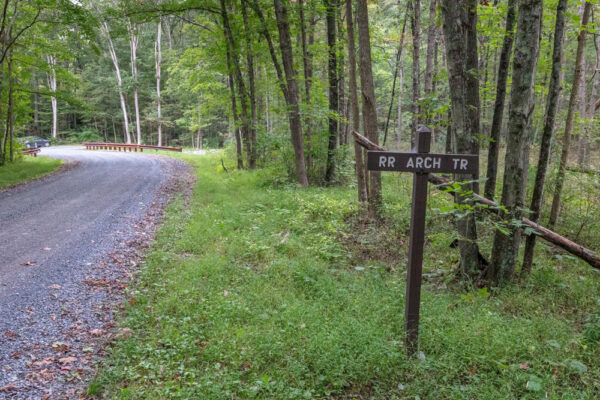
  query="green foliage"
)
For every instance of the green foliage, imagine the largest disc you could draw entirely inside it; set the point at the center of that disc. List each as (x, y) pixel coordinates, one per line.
(26, 169)
(252, 290)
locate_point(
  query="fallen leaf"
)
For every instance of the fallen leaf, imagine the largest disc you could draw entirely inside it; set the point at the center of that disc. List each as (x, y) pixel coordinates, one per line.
(225, 292)
(8, 388)
(523, 366)
(67, 360)
(15, 355)
(47, 248)
(96, 332)
(55, 286)
(28, 263)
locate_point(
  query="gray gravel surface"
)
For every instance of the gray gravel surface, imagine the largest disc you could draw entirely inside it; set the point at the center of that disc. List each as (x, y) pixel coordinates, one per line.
(68, 246)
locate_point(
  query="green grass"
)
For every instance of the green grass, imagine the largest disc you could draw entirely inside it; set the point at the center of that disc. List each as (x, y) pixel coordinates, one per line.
(259, 290)
(27, 169)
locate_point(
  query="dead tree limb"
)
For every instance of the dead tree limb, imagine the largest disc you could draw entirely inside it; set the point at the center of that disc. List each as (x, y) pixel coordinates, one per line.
(552, 237)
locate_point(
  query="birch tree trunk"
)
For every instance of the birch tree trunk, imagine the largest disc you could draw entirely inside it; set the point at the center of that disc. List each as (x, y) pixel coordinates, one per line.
(52, 86)
(133, 45)
(554, 90)
(456, 14)
(113, 56)
(506, 247)
(560, 178)
(369, 110)
(358, 153)
(157, 62)
(503, 66)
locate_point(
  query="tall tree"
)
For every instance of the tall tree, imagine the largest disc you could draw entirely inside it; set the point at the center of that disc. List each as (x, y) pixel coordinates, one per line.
(564, 157)
(52, 86)
(415, 24)
(431, 43)
(502, 76)
(113, 55)
(369, 108)
(332, 70)
(554, 89)
(287, 59)
(354, 108)
(458, 26)
(506, 247)
(252, 85)
(133, 46)
(157, 67)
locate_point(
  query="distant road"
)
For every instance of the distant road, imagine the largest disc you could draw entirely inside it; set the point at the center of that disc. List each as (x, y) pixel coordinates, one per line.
(52, 231)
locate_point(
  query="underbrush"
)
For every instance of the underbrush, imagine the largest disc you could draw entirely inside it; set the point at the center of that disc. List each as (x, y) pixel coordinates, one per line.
(259, 290)
(27, 169)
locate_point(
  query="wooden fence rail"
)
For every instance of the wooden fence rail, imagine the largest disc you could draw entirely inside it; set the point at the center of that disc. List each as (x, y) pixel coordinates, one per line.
(127, 147)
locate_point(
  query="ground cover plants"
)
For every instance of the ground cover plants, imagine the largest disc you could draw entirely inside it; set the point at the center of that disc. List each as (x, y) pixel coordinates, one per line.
(26, 169)
(256, 289)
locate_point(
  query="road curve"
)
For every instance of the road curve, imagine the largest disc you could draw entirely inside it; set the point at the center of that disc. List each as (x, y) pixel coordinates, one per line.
(52, 233)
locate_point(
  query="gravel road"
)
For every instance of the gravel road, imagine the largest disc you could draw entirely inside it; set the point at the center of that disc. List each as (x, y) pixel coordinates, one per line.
(68, 245)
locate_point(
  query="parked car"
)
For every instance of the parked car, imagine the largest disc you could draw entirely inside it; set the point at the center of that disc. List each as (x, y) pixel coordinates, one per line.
(33, 142)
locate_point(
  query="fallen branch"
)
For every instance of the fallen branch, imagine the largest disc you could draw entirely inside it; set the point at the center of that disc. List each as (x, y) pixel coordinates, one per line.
(443, 183)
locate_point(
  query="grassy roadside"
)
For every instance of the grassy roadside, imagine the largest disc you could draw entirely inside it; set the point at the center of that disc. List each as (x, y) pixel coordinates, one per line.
(27, 169)
(258, 290)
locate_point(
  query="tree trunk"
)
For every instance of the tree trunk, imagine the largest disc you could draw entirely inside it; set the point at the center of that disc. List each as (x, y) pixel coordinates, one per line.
(358, 153)
(157, 62)
(506, 247)
(431, 39)
(36, 108)
(554, 90)
(560, 178)
(369, 108)
(415, 24)
(52, 86)
(396, 71)
(133, 46)
(307, 64)
(251, 76)
(113, 56)
(503, 66)
(236, 127)
(457, 30)
(285, 45)
(332, 70)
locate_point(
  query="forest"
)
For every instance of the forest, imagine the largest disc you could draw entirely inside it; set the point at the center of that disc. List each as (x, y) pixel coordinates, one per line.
(300, 90)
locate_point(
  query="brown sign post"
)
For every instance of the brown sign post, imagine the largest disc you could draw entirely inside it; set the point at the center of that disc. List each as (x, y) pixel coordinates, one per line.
(420, 162)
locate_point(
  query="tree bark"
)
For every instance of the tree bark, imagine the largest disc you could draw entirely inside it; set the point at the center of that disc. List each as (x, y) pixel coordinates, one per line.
(369, 109)
(236, 127)
(330, 6)
(415, 24)
(251, 82)
(133, 46)
(285, 45)
(358, 153)
(431, 39)
(560, 178)
(52, 86)
(506, 247)
(554, 90)
(457, 32)
(113, 56)
(307, 64)
(495, 132)
(157, 62)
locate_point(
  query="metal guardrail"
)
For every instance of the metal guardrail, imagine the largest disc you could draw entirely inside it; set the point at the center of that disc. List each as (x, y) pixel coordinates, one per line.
(127, 147)
(30, 152)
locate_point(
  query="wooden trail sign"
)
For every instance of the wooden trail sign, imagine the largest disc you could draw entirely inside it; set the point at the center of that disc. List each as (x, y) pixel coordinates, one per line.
(421, 163)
